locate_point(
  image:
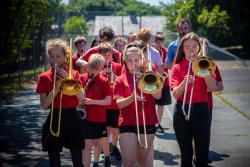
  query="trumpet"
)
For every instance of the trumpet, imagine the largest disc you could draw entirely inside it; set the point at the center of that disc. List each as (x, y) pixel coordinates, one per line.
(202, 66)
(137, 117)
(111, 76)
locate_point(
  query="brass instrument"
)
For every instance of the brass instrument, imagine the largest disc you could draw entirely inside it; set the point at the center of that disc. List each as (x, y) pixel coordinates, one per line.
(202, 66)
(70, 86)
(57, 132)
(137, 117)
(81, 107)
(150, 82)
(111, 75)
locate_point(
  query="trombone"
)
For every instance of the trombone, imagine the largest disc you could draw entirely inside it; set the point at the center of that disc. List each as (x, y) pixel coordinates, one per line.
(202, 66)
(57, 132)
(137, 117)
(150, 82)
(68, 87)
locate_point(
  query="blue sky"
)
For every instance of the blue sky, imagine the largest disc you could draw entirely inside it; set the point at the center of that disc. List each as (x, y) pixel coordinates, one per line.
(151, 2)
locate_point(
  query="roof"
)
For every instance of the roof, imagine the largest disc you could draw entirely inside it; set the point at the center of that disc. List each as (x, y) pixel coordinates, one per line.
(123, 25)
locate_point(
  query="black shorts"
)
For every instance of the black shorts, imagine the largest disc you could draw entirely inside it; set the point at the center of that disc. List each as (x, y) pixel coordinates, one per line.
(150, 129)
(112, 117)
(71, 131)
(165, 97)
(95, 130)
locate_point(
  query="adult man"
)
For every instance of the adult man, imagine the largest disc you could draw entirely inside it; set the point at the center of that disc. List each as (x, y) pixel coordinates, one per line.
(183, 27)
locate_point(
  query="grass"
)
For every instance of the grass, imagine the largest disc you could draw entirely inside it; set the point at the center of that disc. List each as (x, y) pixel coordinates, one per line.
(9, 84)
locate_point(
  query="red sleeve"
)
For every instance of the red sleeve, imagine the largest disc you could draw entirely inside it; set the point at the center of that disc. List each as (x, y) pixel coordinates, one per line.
(218, 75)
(42, 85)
(175, 78)
(89, 53)
(154, 68)
(107, 88)
(118, 89)
(117, 55)
(76, 75)
(118, 69)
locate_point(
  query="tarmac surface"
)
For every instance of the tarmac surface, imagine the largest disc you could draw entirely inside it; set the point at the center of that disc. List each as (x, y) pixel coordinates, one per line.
(21, 120)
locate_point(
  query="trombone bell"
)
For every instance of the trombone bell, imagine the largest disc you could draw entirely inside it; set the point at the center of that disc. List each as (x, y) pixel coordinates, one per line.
(150, 82)
(70, 87)
(203, 66)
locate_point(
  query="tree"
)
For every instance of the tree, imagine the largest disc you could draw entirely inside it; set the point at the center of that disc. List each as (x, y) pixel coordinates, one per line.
(76, 25)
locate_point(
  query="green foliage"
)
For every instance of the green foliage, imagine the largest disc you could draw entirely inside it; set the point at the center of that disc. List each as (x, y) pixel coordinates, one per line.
(76, 25)
(22, 20)
(215, 21)
(133, 7)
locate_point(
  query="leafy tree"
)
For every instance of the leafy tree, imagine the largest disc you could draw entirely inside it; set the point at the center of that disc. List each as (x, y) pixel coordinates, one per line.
(76, 25)
(23, 19)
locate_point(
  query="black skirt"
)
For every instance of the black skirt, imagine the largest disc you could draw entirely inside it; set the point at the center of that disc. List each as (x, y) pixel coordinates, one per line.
(71, 131)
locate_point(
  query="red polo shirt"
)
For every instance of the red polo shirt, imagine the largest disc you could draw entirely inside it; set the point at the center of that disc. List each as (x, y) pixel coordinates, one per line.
(209, 94)
(74, 59)
(178, 72)
(116, 54)
(123, 87)
(98, 89)
(45, 85)
(117, 68)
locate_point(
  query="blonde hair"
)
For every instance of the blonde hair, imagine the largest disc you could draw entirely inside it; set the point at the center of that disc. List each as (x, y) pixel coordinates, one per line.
(104, 48)
(132, 47)
(53, 43)
(96, 61)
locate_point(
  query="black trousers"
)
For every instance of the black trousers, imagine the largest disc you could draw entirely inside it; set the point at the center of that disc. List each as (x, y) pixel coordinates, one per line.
(197, 129)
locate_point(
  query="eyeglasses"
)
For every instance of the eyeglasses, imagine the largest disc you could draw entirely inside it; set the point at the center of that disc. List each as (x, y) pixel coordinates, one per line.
(159, 39)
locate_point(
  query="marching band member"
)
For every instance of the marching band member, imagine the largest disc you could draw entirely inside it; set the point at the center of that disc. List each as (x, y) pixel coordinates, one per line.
(97, 96)
(71, 133)
(111, 70)
(106, 34)
(166, 96)
(197, 127)
(80, 44)
(124, 94)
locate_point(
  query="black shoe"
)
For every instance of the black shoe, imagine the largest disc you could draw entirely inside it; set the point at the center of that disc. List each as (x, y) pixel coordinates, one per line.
(107, 162)
(160, 129)
(116, 153)
(210, 161)
(95, 164)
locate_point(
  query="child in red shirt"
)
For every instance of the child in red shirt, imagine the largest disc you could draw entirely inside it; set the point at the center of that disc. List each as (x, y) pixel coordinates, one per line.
(111, 70)
(80, 44)
(71, 133)
(132, 152)
(197, 127)
(97, 96)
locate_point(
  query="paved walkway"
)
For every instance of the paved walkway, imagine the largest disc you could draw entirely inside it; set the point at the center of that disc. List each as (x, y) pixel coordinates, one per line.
(21, 119)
